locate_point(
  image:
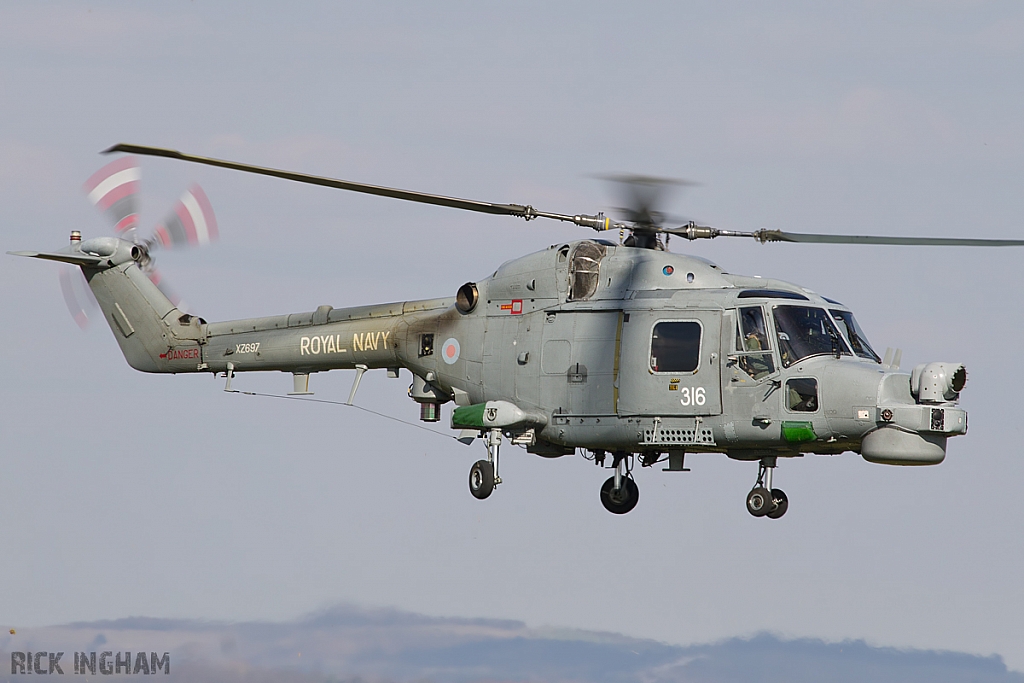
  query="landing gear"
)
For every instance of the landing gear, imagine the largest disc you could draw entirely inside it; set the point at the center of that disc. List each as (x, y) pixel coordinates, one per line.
(763, 500)
(483, 475)
(481, 479)
(620, 494)
(622, 500)
(781, 504)
(759, 501)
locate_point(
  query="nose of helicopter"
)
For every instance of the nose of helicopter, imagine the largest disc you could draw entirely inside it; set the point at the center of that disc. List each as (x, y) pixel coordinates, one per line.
(916, 414)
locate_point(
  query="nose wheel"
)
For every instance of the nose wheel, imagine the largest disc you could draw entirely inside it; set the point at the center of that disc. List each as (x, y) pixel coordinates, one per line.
(483, 475)
(481, 479)
(763, 500)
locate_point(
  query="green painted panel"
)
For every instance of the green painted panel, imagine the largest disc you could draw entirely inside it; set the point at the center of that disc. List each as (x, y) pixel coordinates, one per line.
(468, 417)
(796, 432)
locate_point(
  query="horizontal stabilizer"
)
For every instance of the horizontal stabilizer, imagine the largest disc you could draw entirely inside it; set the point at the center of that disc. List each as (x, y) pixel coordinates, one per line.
(74, 259)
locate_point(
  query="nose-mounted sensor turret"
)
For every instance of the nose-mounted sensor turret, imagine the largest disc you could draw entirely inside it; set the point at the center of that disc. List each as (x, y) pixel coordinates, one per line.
(937, 382)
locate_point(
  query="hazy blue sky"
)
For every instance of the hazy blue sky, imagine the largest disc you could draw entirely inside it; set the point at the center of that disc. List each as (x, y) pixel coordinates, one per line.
(126, 494)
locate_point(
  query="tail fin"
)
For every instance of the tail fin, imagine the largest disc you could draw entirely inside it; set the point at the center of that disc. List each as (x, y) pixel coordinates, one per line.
(154, 335)
(138, 314)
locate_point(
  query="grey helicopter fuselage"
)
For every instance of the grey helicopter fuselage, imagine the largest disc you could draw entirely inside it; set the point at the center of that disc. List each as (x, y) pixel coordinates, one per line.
(586, 344)
(621, 350)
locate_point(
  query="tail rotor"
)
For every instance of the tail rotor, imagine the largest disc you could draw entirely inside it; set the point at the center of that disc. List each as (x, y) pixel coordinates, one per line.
(114, 190)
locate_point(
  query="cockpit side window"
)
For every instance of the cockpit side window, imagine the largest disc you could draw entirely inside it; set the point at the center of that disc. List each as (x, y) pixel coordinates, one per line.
(753, 350)
(854, 334)
(753, 330)
(805, 331)
(675, 347)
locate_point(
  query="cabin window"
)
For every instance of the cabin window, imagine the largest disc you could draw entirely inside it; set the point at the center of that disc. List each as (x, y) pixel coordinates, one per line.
(675, 347)
(754, 355)
(584, 270)
(802, 395)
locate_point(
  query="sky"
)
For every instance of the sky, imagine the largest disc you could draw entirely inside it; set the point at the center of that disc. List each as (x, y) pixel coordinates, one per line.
(124, 494)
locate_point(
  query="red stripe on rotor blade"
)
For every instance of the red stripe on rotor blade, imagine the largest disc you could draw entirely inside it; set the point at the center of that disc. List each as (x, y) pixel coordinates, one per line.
(127, 223)
(161, 234)
(120, 192)
(110, 169)
(175, 230)
(186, 221)
(208, 215)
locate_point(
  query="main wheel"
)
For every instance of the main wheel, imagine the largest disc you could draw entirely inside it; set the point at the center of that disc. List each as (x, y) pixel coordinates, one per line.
(481, 479)
(781, 504)
(622, 501)
(760, 501)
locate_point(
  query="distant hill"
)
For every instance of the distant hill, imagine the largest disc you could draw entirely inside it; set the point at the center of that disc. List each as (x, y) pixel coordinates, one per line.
(370, 645)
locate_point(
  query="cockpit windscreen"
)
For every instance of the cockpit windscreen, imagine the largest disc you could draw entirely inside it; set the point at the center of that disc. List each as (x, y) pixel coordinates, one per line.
(855, 335)
(805, 331)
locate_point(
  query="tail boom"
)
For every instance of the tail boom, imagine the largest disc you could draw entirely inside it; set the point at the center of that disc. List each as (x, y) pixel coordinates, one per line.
(155, 336)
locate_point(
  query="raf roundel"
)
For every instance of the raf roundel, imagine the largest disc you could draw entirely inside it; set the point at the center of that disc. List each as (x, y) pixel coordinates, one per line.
(668, 270)
(450, 350)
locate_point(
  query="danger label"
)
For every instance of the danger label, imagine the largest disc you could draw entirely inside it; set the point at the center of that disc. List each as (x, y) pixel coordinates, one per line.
(181, 354)
(514, 308)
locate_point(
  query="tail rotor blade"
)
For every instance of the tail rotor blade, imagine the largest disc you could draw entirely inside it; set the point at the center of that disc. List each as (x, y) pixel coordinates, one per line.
(191, 223)
(77, 295)
(114, 191)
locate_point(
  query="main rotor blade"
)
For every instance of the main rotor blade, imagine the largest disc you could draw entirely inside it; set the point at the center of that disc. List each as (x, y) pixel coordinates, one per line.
(765, 235)
(408, 195)
(596, 221)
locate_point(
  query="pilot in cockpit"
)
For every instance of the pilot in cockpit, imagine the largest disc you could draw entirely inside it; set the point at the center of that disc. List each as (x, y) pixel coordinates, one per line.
(755, 338)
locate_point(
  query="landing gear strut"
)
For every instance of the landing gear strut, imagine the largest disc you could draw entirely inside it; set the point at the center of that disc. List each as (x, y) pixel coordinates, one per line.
(763, 500)
(483, 476)
(620, 494)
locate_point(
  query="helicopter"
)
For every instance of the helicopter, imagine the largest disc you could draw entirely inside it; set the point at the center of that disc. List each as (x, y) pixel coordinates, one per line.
(624, 351)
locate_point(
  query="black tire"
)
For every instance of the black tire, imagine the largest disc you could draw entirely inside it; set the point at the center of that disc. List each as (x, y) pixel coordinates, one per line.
(760, 501)
(622, 501)
(481, 479)
(781, 504)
